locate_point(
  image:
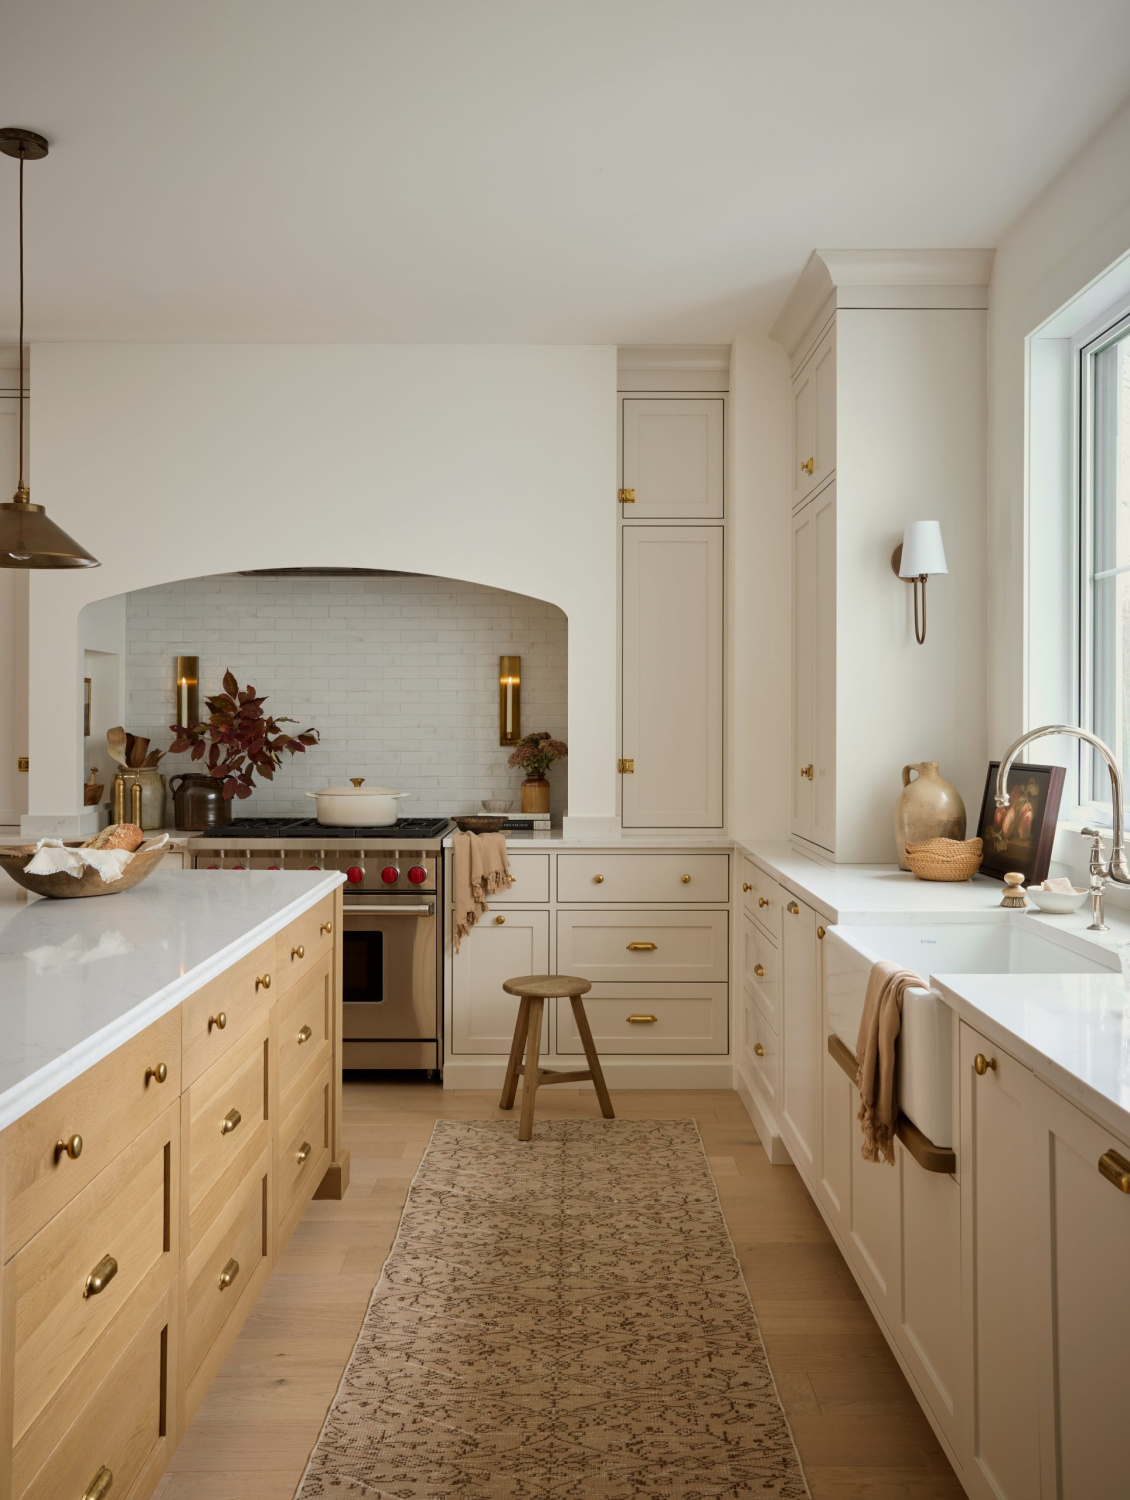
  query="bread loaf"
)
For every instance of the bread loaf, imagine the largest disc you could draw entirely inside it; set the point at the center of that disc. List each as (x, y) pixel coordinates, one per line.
(117, 836)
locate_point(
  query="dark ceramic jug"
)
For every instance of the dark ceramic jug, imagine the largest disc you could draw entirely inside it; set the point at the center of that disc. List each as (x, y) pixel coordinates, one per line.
(198, 802)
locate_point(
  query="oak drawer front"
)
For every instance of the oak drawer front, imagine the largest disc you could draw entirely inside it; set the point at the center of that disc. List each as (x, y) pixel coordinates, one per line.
(79, 1272)
(225, 1123)
(643, 877)
(760, 975)
(122, 1428)
(303, 1150)
(221, 1268)
(303, 945)
(648, 1018)
(643, 946)
(765, 900)
(216, 1017)
(302, 1031)
(107, 1107)
(531, 879)
(760, 1065)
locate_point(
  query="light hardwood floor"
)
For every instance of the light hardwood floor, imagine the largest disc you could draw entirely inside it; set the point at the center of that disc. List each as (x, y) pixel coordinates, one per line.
(859, 1430)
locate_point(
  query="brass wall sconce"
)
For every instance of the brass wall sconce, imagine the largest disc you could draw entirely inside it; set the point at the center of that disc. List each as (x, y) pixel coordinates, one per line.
(187, 683)
(509, 700)
(918, 555)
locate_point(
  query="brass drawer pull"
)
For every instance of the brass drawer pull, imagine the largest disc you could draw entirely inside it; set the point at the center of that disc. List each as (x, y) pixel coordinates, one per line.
(1115, 1168)
(303, 1152)
(326, 928)
(299, 952)
(304, 1035)
(983, 1064)
(763, 900)
(263, 982)
(99, 1486)
(686, 879)
(499, 921)
(229, 1273)
(598, 880)
(101, 1277)
(230, 1121)
(219, 1021)
(794, 908)
(759, 970)
(641, 1019)
(746, 886)
(159, 1074)
(71, 1147)
(642, 947)
(758, 1050)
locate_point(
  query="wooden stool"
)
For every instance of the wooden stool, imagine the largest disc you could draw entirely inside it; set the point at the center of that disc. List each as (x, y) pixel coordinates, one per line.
(533, 990)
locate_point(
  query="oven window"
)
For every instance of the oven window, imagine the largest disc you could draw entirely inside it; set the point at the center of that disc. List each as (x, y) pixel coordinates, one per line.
(363, 966)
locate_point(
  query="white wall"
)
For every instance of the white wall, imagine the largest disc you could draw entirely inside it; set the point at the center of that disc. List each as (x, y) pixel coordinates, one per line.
(399, 675)
(492, 464)
(13, 611)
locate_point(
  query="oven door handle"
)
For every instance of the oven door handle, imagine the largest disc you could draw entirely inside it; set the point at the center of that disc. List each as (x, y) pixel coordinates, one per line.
(349, 910)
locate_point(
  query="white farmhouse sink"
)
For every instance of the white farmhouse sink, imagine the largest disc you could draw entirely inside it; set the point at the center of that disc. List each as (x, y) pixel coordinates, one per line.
(1007, 943)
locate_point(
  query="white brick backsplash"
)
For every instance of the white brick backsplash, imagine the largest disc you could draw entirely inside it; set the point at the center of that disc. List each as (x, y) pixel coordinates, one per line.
(399, 674)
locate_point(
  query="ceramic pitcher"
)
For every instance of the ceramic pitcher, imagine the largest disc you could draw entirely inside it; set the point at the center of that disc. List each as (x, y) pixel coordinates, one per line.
(927, 808)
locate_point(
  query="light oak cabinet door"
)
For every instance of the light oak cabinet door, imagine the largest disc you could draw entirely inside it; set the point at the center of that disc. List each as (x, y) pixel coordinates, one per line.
(674, 459)
(814, 671)
(800, 1038)
(814, 419)
(673, 676)
(482, 1014)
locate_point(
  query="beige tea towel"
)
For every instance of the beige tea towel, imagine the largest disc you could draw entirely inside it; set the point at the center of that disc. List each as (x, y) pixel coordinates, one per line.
(875, 1056)
(480, 869)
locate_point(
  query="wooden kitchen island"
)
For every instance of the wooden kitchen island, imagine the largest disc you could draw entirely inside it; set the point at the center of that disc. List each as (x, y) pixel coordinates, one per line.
(170, 1101)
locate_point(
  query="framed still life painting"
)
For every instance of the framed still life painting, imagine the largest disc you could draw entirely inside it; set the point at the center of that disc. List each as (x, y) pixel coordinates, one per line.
(1020, 836)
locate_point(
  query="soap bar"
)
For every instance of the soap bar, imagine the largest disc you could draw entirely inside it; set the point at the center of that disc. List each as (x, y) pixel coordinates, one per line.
(1058, 883)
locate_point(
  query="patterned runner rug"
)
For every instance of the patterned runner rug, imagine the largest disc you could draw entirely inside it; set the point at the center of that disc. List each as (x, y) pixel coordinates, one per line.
(559, 1320)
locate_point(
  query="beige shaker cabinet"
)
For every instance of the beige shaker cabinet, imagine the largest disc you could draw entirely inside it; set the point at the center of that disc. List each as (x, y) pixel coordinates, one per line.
(814, 419)
(502, 945)
(813, 771)
(673, 458)
(800, 1038)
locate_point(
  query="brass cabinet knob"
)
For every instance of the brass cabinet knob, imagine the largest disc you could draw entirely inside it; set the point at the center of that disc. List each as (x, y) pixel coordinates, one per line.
(746, 886)
(99, 1486)
(642, 947)
(807, 772)
(759, 971)
(304, 1035)
(229, 1273)
(230, 1121)
(758, 1050)
(598, 880)
(326, 928)
(820, 932)
(808, 464)
(219, 1020)
(263, 982)
(299, 952)
(763, 900)
(686, 879)
(1115, 1168)
(499, 921)
(642, 1019)
(71, 1147)
(101, 1277)
(159, 1073)
(302, 1153)
(793, 908)
(983, 1064)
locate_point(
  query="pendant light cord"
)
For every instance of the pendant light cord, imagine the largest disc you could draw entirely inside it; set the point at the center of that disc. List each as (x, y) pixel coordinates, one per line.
(20, 422)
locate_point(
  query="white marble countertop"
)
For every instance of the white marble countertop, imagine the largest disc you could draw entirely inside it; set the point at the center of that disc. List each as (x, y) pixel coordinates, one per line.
(628, 842)
(78, 978)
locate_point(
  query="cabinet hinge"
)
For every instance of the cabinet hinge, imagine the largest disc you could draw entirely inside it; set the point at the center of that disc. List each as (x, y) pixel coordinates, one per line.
(627, 497)
(626, 767)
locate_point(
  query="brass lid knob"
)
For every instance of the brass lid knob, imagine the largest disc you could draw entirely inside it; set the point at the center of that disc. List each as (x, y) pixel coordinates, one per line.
(357, 780)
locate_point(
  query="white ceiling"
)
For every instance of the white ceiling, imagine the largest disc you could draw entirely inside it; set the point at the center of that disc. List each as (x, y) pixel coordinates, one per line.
(517, 170)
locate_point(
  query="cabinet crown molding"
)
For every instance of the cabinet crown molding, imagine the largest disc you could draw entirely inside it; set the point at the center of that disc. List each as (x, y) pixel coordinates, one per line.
(834, 279)
(673, 367)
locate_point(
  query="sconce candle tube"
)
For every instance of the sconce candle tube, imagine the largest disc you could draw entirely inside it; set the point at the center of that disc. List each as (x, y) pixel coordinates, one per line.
(509, 699)
(187, 680)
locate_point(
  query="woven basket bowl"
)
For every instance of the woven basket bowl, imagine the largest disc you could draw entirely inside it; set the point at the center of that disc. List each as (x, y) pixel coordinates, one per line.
(945, 859)
(89, 883)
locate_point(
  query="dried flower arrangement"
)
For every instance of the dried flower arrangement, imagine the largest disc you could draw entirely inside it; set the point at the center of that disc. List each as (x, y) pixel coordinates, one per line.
(239, 739)
(536, 752)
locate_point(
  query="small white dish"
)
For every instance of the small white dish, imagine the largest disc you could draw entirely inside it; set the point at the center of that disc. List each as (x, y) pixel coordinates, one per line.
(1057, 903)
(497, 804)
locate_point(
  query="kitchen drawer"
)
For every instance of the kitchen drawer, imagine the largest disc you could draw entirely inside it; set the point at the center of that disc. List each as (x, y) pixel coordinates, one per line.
(107, 1107)
(303, 1037)
(761, 1067)
(60, 1309)
(764, 899)
(220, 1273)
(668, 1018)
(303, 1153)
(216, 1017)
(225, 1126)
(124, 1427)
(303, 945)
(531, 880)
(643, 877)
(684, 946)
(760, 974)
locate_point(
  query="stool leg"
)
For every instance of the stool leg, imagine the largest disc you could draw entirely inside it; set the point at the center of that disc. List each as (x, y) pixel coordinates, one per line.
(510, 1084)
(530, 1076)
(594, 1060)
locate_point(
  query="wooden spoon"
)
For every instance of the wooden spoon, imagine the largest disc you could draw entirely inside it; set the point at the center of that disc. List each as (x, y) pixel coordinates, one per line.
(137, 748)
(116, 742)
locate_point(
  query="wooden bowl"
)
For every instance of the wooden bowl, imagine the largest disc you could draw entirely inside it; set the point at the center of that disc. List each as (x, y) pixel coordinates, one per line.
(945, 859)
(89, 883)
(479, 824)
(92, 793)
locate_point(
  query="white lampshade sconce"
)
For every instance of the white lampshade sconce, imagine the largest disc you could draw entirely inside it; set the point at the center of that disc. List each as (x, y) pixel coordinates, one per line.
(919, 554)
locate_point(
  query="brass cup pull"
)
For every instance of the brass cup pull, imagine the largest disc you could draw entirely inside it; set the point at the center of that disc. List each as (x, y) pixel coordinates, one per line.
(71, 1147)
(642, 947)
(686, 879)
(299, 952)
(229, 1273)
(759, 970)
(303, 1152)
(158, 1074)
(326, 928)
(598, 880)
(499, 921)
(263, 982)
(101, 1277)
(1115, 1168)
(763, 900)
(641, 1019)
(746, 886)
(808, 772)
(219, 1021)
(758, 1050)
(304, 1035)
(793, 908)
(983, 1064)
(230, 1121)
(809, 464)
(100, 1486)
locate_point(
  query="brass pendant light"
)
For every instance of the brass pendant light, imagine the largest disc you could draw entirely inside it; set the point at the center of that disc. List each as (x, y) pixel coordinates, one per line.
(27, 538)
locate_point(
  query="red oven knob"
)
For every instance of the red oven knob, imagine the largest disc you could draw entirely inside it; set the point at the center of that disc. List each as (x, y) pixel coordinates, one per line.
(355, 874)
(274, 867)
(417, 875)
(313, 867)
(239, 867)
(390, 874)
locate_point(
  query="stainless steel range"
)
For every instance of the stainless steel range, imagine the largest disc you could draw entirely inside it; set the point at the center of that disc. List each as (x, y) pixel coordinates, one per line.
(391, 942)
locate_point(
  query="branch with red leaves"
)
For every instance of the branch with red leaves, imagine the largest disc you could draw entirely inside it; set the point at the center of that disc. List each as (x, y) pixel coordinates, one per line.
(239, 740)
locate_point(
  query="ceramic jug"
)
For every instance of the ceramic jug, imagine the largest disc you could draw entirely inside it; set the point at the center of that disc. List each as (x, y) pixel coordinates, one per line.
(198, 802)
(927, 808)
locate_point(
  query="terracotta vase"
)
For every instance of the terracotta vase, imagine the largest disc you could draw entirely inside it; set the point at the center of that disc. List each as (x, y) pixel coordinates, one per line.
(535, 794)
(927, 808)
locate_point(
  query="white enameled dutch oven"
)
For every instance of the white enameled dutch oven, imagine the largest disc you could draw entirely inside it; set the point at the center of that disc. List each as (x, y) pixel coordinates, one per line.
(357, 806)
